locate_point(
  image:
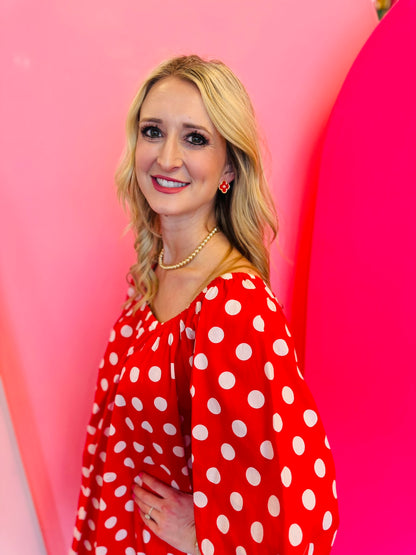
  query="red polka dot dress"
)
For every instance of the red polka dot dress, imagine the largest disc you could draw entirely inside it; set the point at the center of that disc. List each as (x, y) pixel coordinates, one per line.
(212, 403)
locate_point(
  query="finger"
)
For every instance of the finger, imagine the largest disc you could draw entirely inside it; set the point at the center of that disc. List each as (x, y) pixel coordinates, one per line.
(147, 511)
(150, 522)
(147, 497)
(156, 485)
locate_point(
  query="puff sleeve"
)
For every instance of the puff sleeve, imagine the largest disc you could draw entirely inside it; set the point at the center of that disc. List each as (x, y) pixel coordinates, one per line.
(263, 473)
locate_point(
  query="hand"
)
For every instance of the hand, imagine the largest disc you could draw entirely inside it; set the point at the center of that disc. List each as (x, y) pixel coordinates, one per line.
(171, 513)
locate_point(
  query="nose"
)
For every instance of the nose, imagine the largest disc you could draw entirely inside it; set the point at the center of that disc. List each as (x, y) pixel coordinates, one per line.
(170, 156)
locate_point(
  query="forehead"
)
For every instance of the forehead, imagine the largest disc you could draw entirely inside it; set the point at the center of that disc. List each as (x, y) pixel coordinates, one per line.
(174, 97)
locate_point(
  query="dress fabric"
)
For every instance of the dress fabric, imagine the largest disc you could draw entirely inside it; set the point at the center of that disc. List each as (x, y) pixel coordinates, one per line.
(212, 403)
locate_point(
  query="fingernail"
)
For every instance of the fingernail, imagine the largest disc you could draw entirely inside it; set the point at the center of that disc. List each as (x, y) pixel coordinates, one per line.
(138, 480)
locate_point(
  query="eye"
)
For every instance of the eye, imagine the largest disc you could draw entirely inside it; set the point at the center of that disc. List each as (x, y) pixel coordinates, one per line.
(151, 132)
(196, 139)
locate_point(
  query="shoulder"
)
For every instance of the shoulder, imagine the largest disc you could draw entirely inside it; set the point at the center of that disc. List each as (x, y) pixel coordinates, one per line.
(240, 294)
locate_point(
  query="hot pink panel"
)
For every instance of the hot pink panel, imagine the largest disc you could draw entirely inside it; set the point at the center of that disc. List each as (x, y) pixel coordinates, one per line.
(360, 342)
(70, 69)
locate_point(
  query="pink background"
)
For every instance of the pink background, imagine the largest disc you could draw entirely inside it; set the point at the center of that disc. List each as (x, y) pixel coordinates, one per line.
(69, 70)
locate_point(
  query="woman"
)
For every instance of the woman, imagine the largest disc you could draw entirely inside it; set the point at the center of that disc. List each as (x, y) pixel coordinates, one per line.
(204, 437)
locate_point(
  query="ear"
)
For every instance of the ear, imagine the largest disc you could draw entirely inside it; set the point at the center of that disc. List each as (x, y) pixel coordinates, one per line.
(228, 174)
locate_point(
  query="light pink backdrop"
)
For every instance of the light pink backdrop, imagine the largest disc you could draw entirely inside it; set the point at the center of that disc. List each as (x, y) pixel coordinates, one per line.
(69, 70)
(361, 340)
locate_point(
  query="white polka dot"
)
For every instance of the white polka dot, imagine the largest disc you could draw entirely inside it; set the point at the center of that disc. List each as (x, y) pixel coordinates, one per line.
(327, 443)
(256, 399)
(137, 404)
(266, 449)
(134, 374)
(104, 384)
(319, 467)
(310, 417)
(121, 535)
(256, 531)
(334, 489)
(158, 448)
(155, 345)
(82, 514)
(179, 451)
(295, 535)
(166, 469)
(200, 432)
(200, 499)
(258, 323)
(214, 406)
(161, 404)
(333, 538)
(247, 284)
(99, 479)
(155, 373)
(138, 447)
(286, 476)
(120, 491)
(110, 477)
(87, 545)
(169, 429)
(271, 305)
(119, 446)
(92, 447)
(236, 501)
(170, 338)
(110, 522)
(198, 307)
(112, 430)
(288, 395)
(120, 401)
(112, 336)
(253, 476)
(243, 351)
(239, 428)
(327, 521)
(311, 549)
(200, 361)
(277, 422)
(223, 524)
(129, 506)
(130, 551)
(126, 331)
(96, 503)
(103, 505)
(113, 358)
(100, 550)
(213, 475)
(308, 499)
(147, 426)
(298, 445)
(95, 408)
(226, 380)
(207, 548)
(190, 333)
(172, 370)
(273, 506)
(227, 452)
(280, 347)
(232, 307)
(146, 536)
(287, 331)
(216, 334)
(269, 370)
(240, 551)
(128, 462)
(211, 293)
(192, 391)
(148, 460)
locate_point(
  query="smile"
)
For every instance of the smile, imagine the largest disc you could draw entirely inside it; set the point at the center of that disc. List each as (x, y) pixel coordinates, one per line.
(169, 184)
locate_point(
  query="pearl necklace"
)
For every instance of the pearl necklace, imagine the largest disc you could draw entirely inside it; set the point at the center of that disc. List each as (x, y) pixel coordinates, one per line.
(190, 257)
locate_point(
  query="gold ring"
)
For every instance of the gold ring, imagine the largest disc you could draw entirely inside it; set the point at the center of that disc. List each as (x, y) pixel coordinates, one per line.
(147, 515)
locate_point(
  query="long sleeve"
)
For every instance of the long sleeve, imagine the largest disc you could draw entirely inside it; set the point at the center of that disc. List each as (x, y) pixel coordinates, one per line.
(263, 473)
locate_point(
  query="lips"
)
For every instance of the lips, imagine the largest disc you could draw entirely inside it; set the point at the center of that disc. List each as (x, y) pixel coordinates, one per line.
(168, 185)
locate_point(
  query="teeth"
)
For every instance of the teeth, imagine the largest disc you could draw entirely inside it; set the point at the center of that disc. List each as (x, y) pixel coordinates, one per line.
(166, 183)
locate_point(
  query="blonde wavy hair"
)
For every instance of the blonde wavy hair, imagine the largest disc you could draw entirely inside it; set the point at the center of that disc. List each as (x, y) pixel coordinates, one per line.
(246, 214)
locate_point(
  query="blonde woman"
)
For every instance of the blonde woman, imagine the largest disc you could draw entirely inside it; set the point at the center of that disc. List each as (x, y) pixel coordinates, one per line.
(204, 437)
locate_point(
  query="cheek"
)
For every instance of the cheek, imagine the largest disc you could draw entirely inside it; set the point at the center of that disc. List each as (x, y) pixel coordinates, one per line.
(143, 158)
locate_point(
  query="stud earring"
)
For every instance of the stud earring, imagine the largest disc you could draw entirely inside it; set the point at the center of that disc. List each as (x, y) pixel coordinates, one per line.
(223, 187)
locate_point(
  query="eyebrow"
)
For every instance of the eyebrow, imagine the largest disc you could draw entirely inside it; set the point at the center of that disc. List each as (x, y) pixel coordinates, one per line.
(185, 125)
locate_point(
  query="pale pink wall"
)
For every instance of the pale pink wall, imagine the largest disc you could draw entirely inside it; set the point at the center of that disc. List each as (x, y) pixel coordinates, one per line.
(361, 333)
(69, 70)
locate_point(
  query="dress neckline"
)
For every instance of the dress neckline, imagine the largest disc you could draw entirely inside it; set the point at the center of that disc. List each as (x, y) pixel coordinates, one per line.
(201, 293)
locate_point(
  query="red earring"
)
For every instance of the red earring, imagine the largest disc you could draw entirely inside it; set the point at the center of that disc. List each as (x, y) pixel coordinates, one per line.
(223, 187)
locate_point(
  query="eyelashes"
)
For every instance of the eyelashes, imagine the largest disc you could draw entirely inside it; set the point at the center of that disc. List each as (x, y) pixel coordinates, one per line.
(153, 132)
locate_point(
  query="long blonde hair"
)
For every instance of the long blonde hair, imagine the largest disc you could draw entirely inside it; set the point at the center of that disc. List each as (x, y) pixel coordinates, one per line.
(246, 214)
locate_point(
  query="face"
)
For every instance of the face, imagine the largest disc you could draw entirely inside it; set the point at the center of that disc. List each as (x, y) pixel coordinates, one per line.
(180, 156)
